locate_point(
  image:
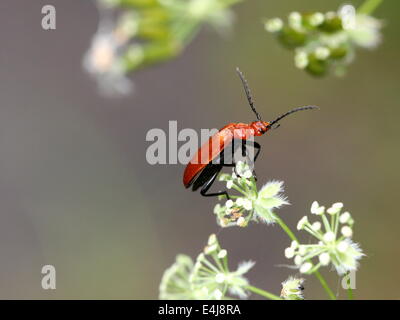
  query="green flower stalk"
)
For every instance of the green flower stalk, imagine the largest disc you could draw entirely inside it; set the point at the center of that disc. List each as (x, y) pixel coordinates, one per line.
(147, 32)
(251, 204)
(334, 245)
(326, 41)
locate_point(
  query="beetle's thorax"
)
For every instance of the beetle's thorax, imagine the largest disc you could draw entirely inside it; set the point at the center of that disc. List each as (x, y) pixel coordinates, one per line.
(245, 131)
(259, 127)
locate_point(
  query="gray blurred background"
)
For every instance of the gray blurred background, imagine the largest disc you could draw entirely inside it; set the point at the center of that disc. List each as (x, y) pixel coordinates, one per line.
(76, 190)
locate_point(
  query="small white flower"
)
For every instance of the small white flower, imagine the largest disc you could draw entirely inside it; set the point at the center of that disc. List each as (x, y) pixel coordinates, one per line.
(302, 250)
(127, 26)
(222, 254)
(241, 168)
(289, 252)
(324, 258)
(317, 209)
(248, 204)
(210, 249)
(344, 217)
(294, 244)
(218, 294)
(322, 53)
(217, 208)
(316, 19)
(342, 246)
(200, 258)
(335, 208)
(306, 267)
(247, 174)
(347, 13)
(298, 260)
(229, 184)
(229, 203)
(329, 236)
(314, 207)
(295, 20)
(301, 59)
(223, 223)
(274, 25)
(338, 205)
(241, 222)
(239, 202)
(301, 224)
(346, 231)
(212, 239)
(316, 226)
(220, 278)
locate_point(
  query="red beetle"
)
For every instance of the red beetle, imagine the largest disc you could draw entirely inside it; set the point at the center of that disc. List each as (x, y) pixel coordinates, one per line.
(206, 164)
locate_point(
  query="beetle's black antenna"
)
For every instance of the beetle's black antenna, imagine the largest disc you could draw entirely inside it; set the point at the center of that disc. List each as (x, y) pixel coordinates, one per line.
(248, 93)
(290, 112)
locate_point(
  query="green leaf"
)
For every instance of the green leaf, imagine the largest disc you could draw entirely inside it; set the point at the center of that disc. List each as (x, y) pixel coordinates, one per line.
(264, 213)
(271, 189)
(271, 202)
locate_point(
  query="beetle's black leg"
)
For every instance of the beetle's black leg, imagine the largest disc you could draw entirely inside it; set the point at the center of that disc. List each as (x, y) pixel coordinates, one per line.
(234, 170)
(257, 146)
(207, 186)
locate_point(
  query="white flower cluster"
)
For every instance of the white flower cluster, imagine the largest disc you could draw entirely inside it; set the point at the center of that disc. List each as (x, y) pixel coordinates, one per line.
(326, 40)
(208, 278)
(334, 233)
(103, 61)
(137, 33)
(251, 204)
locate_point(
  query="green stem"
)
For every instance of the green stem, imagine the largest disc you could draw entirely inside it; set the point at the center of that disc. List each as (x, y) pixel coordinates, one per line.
(350, 295)
(286, 228)
(325, 285)
(263, 293)
(317, 273)
(186, 31)
(369, 6)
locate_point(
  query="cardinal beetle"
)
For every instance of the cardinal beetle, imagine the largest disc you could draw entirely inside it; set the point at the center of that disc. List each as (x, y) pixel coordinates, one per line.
(206, 164)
